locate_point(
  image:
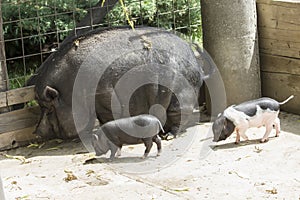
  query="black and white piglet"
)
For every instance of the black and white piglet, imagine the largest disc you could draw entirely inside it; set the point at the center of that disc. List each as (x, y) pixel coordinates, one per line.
(255, 113)
(132, 130)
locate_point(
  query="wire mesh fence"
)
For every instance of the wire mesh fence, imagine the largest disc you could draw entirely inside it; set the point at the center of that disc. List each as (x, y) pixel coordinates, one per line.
(33, 29)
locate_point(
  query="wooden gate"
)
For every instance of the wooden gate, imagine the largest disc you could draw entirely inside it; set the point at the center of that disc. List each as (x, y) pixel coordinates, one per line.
(17, 126)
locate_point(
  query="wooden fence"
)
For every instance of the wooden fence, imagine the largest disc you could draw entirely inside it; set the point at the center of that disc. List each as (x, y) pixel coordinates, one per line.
(17, 126)
(279, 41)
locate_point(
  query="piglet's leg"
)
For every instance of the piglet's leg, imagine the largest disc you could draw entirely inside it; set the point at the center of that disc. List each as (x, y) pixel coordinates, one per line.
(113, 150)
(118, 154)
(240, 133)
(277, 126)
(238, 138)
(158, 143)
(148, 143)
(267, 133)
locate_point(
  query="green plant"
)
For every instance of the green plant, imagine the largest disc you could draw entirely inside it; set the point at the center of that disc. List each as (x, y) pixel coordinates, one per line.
(32, 28)
(180, 15)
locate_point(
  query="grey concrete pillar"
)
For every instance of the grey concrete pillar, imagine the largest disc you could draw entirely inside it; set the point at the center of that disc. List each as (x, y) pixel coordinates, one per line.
(230, 37)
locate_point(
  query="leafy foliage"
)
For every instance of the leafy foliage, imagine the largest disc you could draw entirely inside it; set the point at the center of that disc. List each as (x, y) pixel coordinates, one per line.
(32, 28)
(180, 15)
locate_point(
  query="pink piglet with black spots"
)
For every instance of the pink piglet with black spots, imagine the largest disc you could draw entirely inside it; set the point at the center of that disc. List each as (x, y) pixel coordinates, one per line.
(254, 113)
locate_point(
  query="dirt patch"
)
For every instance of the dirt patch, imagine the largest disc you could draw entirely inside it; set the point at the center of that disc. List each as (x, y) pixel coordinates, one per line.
(205, 170)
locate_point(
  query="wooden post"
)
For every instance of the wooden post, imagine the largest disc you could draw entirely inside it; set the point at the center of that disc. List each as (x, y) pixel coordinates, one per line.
(230, 37)
(4, 82)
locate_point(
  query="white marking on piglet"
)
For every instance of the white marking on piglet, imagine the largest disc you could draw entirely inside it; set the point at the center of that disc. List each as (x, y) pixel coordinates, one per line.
(237, 117)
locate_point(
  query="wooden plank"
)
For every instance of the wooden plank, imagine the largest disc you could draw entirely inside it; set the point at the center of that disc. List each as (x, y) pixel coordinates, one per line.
(20, 95)
(279, 28)
(279, 34)
(279, 64)
(286, 3)
(19, 119)
(279, 17)
(16, 96)
(3, 99)
(280, 86)
(277, 47)
(263, 1)
(279, 42)
(17, 138)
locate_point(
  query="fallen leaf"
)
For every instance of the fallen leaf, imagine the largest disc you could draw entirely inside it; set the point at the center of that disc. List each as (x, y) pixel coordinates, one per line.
(53, 148)
(14, 182)
(233, 172)
(33, 145)
(89, 172)
(97, 183)
(20, 158)
(273, 191)
(67, 171)
(23, 197)
(99, 177)
(180, 189)
(41, 145)
(259, 184)
(70, 176)
(257, 149)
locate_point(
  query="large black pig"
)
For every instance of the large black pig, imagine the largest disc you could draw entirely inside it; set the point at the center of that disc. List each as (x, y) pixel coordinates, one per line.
(165, 64)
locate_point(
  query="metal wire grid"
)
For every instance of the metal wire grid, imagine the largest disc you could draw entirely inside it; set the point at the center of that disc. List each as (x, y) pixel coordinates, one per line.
(23, 62)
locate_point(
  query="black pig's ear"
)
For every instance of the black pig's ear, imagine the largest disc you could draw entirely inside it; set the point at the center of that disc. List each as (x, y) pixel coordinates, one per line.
(50, 93)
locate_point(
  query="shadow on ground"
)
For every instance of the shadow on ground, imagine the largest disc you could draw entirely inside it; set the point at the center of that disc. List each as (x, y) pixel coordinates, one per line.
(55, 147)
(232, 145)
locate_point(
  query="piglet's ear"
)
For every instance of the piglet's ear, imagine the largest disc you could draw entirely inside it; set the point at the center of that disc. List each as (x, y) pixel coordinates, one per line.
(95, 137)
(50, 93)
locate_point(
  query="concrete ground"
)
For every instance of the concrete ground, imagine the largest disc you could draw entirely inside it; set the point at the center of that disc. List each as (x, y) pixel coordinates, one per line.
(190, 167)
